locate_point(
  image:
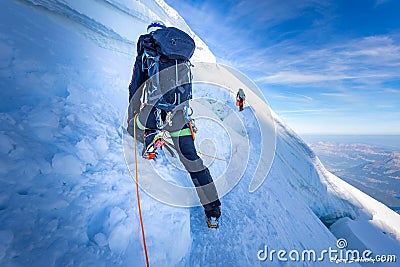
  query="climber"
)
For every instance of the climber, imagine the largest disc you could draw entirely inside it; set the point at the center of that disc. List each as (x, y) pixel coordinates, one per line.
(159, 95)
(240, 98)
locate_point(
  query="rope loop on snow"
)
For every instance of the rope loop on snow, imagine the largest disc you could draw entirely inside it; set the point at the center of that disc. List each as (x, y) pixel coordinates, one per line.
(137, 194)
(210, 156)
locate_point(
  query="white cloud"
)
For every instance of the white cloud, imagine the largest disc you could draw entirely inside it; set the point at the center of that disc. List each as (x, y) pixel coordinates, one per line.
(373, 59)
(300, 78)
(303, 111)
(291, 97)
(380, 50)
(336, 94)
(297, 77)
(392, 91)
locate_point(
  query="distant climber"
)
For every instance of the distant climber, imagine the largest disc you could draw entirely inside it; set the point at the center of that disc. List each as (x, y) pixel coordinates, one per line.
(159, 95)
(240, 98)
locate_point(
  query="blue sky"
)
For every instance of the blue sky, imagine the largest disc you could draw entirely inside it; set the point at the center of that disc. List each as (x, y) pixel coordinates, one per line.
(330, 67)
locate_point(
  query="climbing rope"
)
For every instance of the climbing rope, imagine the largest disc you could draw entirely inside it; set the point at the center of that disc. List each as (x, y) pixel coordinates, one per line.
(192, 130)
(137, 194)
(210, 156)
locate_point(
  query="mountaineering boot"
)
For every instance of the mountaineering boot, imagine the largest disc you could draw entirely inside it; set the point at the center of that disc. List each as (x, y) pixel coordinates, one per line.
(213, 216)
(212, 222)
(153, 141)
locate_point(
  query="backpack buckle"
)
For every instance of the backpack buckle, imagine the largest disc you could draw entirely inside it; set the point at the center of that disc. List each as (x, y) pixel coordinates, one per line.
(168, 119)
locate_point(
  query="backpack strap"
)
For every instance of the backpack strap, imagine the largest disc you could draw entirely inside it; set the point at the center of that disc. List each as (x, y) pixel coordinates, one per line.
(152, 89)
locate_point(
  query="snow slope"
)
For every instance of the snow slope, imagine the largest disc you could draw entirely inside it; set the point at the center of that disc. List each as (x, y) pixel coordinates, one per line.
(67, 197)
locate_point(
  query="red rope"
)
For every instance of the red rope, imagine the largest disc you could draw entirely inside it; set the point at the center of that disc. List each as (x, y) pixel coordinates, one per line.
(138, 197)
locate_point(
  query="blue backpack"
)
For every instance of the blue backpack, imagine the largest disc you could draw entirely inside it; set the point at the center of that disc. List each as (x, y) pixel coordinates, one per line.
(166, 58)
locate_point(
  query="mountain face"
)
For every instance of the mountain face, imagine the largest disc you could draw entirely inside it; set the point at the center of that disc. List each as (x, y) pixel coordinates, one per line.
(67, 196)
